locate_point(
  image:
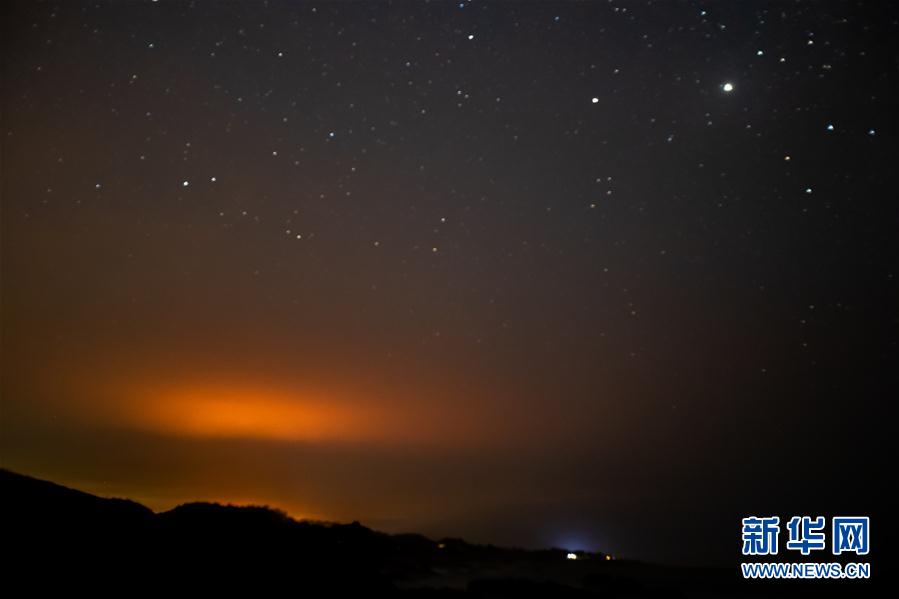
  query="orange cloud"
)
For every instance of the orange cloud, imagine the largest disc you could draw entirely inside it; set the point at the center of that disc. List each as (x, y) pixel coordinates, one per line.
(252, 413)
(251, 407)
(242, 410)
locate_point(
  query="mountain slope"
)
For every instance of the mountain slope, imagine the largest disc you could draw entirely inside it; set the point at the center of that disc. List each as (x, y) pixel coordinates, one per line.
(57, 539)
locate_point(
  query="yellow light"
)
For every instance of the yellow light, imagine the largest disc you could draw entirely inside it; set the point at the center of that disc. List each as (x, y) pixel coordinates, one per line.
(571, 556)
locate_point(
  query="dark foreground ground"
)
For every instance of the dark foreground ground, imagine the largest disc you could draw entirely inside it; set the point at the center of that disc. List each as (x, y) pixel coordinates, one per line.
(60, 539)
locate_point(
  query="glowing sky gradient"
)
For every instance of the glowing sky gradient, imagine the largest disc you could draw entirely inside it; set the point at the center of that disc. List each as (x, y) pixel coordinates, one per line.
(526, 273)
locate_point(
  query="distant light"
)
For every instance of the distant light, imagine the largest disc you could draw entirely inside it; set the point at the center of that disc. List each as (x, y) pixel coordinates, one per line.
(608, 558)
(595, 100)
(728, 87)
(872, 132)
(212, 179)
(185, 183)
(760, 53)
(571, 556)
(808, 190)
(471, 36)
(830, 127)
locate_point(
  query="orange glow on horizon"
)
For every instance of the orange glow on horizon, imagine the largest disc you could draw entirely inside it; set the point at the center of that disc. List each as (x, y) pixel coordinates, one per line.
(242, 407)
(235, 414)
(238, 412)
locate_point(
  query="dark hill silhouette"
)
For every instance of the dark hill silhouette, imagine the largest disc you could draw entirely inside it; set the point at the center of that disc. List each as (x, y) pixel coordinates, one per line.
(62, 506)
(58, 539)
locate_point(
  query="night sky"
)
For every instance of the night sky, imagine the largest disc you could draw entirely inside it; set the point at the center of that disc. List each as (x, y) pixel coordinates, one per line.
(604, 275)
